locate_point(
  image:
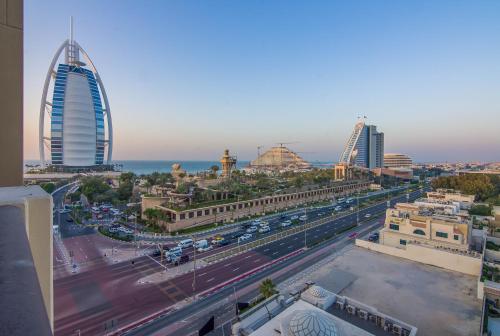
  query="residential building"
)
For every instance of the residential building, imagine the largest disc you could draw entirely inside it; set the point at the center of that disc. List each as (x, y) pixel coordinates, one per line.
(78, 111)
(425, 225)
(394, 160)
(365, 147)
(451, 195)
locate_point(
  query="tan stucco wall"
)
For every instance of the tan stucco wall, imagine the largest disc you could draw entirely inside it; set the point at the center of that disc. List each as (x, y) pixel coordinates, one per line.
(37, 206)
(237, 213)
(11, 92)
(430, 256)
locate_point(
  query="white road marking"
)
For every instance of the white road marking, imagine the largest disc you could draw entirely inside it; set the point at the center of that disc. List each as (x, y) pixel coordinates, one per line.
(266, 250)
(257, 260)
(227, 265)
(275, 253)
(248, 256)
(237, 268)
(210, 279)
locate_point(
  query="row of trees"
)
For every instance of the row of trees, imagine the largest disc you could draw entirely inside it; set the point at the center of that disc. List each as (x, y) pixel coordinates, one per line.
(98, 189)
(485, 187)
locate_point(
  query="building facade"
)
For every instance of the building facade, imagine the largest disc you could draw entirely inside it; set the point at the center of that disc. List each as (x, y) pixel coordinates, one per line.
(365, 147)
(393, 160)
(80, 129)
(421, 225)
(177, 219)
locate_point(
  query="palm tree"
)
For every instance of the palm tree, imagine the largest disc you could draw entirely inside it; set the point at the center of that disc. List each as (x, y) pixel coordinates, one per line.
(267, 289)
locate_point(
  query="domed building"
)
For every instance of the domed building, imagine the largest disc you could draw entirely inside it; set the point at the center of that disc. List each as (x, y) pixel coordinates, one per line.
(310, 323)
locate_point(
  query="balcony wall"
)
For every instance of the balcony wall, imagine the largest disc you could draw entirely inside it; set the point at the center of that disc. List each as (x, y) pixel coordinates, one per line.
(26, 261)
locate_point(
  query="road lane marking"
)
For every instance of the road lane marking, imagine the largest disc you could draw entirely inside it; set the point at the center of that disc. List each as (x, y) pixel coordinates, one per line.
(248, 256)
(257, 260)
(227, 265)
(237, 268)
(275, 253)
(266, 250)
(210, 279)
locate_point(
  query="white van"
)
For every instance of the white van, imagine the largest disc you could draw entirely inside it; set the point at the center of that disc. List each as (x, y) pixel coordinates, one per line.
(174, 250)
(201, 244)
(185, 243)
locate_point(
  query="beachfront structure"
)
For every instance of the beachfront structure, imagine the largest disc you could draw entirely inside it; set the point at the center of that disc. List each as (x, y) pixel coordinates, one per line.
(228, 210)
(395, 160)
(365, 147)
(80, 128)
(280, 158)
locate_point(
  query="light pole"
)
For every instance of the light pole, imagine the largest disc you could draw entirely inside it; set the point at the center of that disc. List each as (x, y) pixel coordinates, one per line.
(194, 268)
(305, 228)
(357, 208)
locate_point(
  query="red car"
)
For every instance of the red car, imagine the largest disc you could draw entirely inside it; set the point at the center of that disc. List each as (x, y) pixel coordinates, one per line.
(353, 235)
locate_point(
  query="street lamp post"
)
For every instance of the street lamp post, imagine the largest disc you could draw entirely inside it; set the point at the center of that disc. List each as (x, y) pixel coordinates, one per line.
(194, 268)
(305, 228)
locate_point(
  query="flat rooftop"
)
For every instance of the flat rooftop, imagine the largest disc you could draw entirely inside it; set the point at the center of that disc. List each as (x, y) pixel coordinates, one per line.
(436, 301)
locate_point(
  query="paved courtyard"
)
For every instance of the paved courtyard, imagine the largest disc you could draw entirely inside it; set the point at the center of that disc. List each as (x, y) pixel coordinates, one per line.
(436, 301)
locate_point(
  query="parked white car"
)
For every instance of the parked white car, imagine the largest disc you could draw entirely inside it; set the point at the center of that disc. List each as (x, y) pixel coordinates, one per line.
(286, 223)
(294, 217)
(368, 215)
(303, 218)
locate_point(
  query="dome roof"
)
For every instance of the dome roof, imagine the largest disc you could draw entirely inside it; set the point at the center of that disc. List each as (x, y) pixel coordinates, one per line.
(318, 292)
(311, 323)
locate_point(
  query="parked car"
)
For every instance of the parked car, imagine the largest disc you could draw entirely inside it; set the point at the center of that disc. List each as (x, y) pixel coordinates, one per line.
(286, 223)
(338, 208)
(294, 217)
(283, 216)
(303, 218)
(353, 235)
(252, 229)
(368, 215)
(264, 229)
(69, 219)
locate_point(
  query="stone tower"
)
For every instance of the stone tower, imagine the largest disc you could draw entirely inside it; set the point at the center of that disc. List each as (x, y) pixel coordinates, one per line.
(228, 163)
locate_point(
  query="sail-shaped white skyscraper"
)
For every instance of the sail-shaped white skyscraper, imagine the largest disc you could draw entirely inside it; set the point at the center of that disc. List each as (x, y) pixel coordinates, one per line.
(75, 102)
(365, 147)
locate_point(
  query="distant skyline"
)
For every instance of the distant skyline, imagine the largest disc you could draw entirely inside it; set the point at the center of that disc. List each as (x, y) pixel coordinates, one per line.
(187, 79)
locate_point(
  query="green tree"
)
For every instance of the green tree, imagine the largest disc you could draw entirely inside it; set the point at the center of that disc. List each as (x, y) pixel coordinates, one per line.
(49, 187)
(267, 288)
(95, 188)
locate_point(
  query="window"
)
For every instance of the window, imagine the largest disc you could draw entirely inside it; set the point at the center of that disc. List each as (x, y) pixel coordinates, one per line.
(191, 214)
(456, 237)
(419, 232)
(199, 213)
(207, 212)
(402, 242)
(441, 234)
(394, 227)
(182, 216)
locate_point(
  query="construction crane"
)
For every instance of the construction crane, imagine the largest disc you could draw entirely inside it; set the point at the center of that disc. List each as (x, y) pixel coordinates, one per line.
(258, 150)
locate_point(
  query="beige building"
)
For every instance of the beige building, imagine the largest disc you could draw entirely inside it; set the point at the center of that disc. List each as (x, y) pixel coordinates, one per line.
(226, 211)
(394, 160)
(413, 223)
(451, 195)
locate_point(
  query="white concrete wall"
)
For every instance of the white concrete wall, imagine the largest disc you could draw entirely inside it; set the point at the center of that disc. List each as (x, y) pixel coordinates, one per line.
(430, 256)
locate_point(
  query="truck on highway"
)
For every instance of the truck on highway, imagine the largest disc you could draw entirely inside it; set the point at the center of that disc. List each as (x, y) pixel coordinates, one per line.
(201, 244)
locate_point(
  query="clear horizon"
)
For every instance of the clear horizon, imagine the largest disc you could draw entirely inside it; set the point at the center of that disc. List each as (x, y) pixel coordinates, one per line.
(186, 80)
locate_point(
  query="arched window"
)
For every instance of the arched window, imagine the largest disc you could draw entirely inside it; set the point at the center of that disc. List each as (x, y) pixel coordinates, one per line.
(419, 232)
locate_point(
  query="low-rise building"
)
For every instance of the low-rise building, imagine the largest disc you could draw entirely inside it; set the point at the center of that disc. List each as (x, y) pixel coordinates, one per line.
(394, 160)
(323, 313)
(411, 222)
(465, 201)
(227, 210)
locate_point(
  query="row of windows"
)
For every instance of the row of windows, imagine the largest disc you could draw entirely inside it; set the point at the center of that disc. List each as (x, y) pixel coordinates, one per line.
(227, 208)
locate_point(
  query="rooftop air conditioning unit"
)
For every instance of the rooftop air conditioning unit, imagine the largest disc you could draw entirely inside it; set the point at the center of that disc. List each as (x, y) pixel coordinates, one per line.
(397, 329)
(351, 310)
(363, 314)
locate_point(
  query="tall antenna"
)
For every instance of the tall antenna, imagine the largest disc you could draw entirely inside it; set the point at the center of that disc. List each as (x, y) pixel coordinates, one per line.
(71, 29)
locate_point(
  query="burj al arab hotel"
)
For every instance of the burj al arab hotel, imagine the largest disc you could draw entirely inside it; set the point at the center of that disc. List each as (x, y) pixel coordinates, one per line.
(75, 118)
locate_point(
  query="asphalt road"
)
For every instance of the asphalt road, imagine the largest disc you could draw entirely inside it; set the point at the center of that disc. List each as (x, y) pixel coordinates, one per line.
(108, 297)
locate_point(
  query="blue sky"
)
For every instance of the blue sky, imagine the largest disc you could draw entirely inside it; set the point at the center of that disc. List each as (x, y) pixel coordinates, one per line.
(186, 79)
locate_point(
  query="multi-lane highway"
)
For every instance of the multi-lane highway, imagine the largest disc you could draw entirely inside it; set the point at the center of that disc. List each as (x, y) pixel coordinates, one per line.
(109, 297)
